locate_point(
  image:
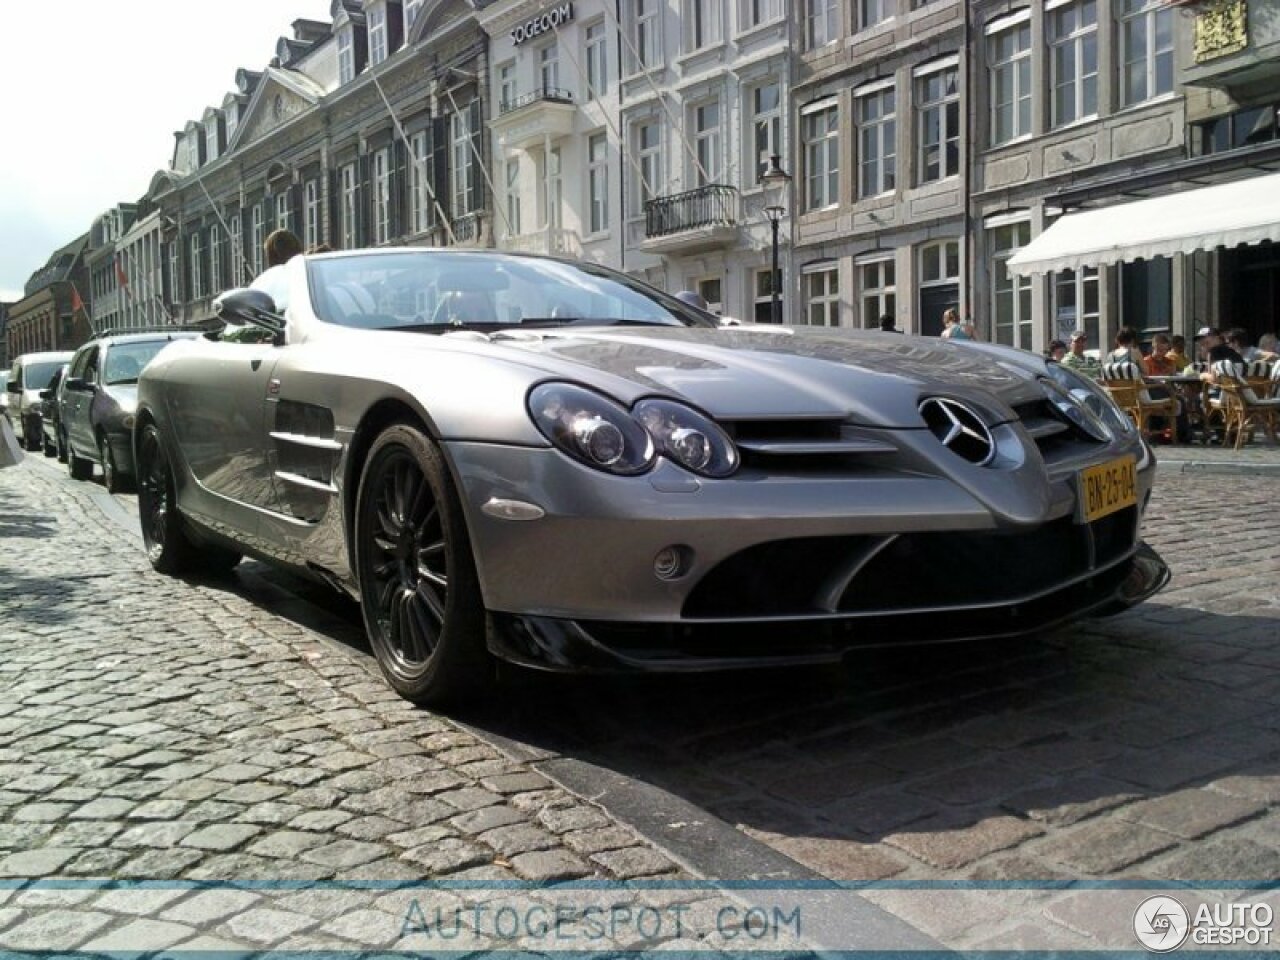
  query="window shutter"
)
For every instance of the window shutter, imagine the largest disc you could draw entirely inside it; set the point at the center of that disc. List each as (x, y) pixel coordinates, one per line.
(399, 213)
(335, 208)
(440, 167)
(297, 211)
(364, 200)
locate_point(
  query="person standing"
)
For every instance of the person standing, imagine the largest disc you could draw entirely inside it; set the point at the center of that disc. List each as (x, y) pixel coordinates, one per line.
(952, 328)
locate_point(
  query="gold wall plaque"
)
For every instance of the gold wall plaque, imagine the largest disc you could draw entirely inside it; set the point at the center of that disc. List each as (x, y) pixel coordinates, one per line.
(1222, 28)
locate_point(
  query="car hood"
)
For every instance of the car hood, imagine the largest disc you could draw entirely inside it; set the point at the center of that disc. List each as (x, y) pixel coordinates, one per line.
(772, 372)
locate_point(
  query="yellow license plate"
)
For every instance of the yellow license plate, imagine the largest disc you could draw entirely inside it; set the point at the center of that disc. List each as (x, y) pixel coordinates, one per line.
(1108, 487)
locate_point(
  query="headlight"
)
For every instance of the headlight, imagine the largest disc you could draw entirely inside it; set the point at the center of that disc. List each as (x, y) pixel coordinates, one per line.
(687, 437)
(591, 428)
(601, 433)
(1085, 404)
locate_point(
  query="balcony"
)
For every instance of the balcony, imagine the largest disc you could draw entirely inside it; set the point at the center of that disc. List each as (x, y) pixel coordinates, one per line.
(469, 231)
(689, 222)
(524, 122)
(553, 241)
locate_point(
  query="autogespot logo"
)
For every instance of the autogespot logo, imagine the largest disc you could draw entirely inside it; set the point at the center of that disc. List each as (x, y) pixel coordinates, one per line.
(1161, 924)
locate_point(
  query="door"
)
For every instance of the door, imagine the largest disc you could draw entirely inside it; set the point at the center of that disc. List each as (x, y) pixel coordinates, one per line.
(78, 401)
(218, 392)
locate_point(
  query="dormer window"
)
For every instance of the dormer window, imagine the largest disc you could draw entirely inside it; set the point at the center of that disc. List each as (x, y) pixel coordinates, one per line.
(193, 150)
(377, 33)
(346, 54)
(211, 139)
(411, 8)
(233, 121)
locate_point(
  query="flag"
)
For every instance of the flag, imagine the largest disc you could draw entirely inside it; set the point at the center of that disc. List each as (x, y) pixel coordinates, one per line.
(121, 278)
(77, 305)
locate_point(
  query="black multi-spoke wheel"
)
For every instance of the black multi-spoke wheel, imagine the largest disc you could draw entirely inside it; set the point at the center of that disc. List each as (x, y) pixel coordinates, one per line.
(168, 547)
(418, 585)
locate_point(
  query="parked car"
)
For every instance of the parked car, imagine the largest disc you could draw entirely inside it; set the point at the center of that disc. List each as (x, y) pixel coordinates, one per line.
(29, 375)
(51, 422)
(552, 463)
(98, 400)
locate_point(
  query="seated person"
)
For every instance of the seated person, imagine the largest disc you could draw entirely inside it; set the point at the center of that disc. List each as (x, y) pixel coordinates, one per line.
(1157, 363)
(1077, 359)
(1177, 353)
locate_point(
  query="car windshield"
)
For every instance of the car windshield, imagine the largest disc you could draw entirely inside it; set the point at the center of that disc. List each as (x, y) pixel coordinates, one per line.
(36, 376)
(441, 291)
(126, 360)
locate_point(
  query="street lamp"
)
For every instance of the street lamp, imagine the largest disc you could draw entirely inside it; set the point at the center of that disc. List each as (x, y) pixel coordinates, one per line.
(775, 181)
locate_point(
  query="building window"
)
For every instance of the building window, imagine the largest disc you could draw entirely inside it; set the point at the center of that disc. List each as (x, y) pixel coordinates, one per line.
(871, 12)
(233, 121)
(1244, 128)
(704, 23)
(1010, 79)
(346, 54)
(648, 148)
(1146, 294)
(197, 262)
(1010, 295)
(511, 182)
(552, 187)
(822, 297)
(311, 230)
(211, 139)
(347, 189)
(877, 139)
(822, 157)
(706, 140)
(463, 172)
(765, 280)
(216, 278)
(193, 151)
(1076, 304)
(419, 188)
(820, 24)
(506, 86)
(938, 95)
(597, 60)
(282, 211)
(382, 195)
(236, 227)
(258, 237)
(1073, 61)
(377, 33)
(939, 283)
(879, 291)
(766, 125)
(758, 12)
(598, 182)
(1146, 50)
(648, 34)
(175, 293)
(711, 289)
(411, 8)
(549, 67)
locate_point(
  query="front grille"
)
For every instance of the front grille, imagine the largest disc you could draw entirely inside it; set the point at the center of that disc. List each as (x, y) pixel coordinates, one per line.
(910, 571)
(1054, 436)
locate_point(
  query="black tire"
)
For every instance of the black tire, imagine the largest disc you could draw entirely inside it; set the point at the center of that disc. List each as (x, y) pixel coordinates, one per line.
(62, 445)
(50, 448)
(419, 591)
(79, 468)
(112, 479)
(168, 547)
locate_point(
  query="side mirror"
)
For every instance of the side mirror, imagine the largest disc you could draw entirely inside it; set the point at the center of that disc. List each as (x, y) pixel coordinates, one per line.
(46, 394)
(13, 387)
(253, 307)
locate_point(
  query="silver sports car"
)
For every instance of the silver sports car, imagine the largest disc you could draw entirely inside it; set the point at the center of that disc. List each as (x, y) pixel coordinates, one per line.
(551, 463)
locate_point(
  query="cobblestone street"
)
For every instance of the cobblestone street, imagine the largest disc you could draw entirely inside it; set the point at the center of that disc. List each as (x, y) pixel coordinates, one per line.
(152, 728)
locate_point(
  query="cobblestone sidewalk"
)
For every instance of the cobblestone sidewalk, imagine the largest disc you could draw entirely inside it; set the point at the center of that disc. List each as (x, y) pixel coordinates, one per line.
(156, 729)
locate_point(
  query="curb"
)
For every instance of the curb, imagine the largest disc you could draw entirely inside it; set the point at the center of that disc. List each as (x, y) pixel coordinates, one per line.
(1218, 467)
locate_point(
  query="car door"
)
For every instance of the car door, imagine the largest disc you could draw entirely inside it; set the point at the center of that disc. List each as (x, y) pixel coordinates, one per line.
(217, 397)
(79, 399)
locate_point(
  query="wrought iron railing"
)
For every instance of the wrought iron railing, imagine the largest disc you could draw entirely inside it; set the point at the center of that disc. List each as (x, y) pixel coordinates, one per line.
(466, 228)
(549, 94)
(715, 205)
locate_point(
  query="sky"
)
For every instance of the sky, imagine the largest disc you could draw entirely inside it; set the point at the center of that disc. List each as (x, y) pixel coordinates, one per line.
(90, 95)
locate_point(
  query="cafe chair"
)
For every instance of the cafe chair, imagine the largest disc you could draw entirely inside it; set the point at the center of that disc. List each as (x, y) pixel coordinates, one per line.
(1244, 400)
(1125, 384)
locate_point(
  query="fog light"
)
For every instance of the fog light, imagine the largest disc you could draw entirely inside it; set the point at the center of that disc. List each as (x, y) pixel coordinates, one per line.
(671, 563)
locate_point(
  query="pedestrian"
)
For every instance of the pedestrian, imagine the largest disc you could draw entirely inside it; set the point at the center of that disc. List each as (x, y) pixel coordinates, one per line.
(1057, 350)
(888, 324)
(1126, 350)
(953, 329)
(1077, 359)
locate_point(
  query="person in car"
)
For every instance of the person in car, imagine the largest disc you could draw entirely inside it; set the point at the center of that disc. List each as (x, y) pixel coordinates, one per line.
(280, 247)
